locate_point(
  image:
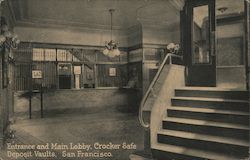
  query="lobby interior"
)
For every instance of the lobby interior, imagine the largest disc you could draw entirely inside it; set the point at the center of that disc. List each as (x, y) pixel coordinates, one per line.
(106, 71)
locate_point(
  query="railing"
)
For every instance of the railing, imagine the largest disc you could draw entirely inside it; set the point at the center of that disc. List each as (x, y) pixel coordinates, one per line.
(247, 18)
(151, 89)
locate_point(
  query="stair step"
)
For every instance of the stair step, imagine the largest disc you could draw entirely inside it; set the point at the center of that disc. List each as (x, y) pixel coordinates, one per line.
(208, 88)
(211, 92)
(167, 151)
(205, 137)
(212, 99)
(216, 103)
(232, 147)
(207, 127)
(209, 110)
(215, 115)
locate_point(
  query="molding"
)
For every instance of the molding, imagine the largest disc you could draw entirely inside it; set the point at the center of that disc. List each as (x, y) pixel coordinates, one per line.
(71, 46)
(223, 67)
(115, 63)
(147, 45)
(235, 37)
(230, 18)
(148, 23)
(135, 47)
(135, 61)
(71, 25)
(105, 88)
(155, 46)
(151, 62)
(67, 46)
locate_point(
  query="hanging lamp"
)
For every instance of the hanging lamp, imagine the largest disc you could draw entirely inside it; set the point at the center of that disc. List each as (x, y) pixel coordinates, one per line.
(111, 47)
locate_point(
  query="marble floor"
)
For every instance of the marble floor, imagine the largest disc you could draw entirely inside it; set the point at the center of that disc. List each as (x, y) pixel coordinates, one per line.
(119, 130)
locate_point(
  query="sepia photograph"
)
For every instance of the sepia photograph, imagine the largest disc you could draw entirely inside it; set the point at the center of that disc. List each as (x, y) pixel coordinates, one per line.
(124, 79)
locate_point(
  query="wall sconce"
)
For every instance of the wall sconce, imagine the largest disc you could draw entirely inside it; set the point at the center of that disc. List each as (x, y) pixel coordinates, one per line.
(7, 39)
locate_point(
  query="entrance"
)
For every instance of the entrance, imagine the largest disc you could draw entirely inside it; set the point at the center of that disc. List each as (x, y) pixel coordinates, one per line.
(64, 72)
(199, 42)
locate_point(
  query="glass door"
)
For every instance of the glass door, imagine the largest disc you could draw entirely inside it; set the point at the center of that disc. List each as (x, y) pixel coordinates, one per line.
(199, 42)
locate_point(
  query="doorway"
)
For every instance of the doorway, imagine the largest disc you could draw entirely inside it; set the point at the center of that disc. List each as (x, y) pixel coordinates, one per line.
(199, 42)
(64, 72)
(214, 38)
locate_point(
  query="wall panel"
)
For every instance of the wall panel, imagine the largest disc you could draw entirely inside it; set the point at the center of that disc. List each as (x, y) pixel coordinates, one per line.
(108, 79)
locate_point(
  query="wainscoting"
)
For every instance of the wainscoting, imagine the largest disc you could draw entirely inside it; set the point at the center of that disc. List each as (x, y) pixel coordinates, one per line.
(231, 77)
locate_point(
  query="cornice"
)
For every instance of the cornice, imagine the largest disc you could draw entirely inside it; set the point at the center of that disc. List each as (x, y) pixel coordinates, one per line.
(64, 24)
(144, 23)
(76, 27)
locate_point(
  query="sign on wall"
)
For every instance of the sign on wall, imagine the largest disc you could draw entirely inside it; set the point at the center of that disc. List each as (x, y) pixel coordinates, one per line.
(36, 74)
(112, 71)
(77, 70)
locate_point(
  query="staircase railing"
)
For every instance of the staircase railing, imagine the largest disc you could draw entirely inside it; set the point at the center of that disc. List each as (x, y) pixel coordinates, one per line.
(83, 58)
(247, 41)
(151, 87)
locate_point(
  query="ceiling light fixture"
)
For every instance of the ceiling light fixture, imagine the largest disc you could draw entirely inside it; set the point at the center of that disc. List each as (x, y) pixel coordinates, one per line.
(111, 48)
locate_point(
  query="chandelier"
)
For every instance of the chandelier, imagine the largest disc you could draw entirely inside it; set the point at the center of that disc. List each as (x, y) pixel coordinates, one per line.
(111, 48)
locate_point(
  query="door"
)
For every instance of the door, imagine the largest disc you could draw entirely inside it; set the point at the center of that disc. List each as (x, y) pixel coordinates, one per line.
(64, 81)
(199, 42)
(64, 73)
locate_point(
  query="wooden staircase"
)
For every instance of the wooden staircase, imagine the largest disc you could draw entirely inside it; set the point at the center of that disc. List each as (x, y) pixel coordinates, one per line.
(205, 124)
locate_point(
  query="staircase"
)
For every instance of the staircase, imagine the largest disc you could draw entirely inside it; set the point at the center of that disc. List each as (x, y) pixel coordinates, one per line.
(205, 124)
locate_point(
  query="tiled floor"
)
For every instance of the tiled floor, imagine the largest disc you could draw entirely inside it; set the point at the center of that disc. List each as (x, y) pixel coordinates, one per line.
(106, 127)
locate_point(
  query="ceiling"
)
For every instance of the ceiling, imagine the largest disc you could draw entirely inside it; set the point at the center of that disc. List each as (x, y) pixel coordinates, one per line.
(231, 7)
(94, 13)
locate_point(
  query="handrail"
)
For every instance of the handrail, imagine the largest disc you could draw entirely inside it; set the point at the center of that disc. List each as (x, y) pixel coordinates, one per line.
(150, 88)
(246, 8)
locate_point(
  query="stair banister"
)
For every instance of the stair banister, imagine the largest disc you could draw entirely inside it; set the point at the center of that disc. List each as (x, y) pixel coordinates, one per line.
(247, 19)
(151, 89)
